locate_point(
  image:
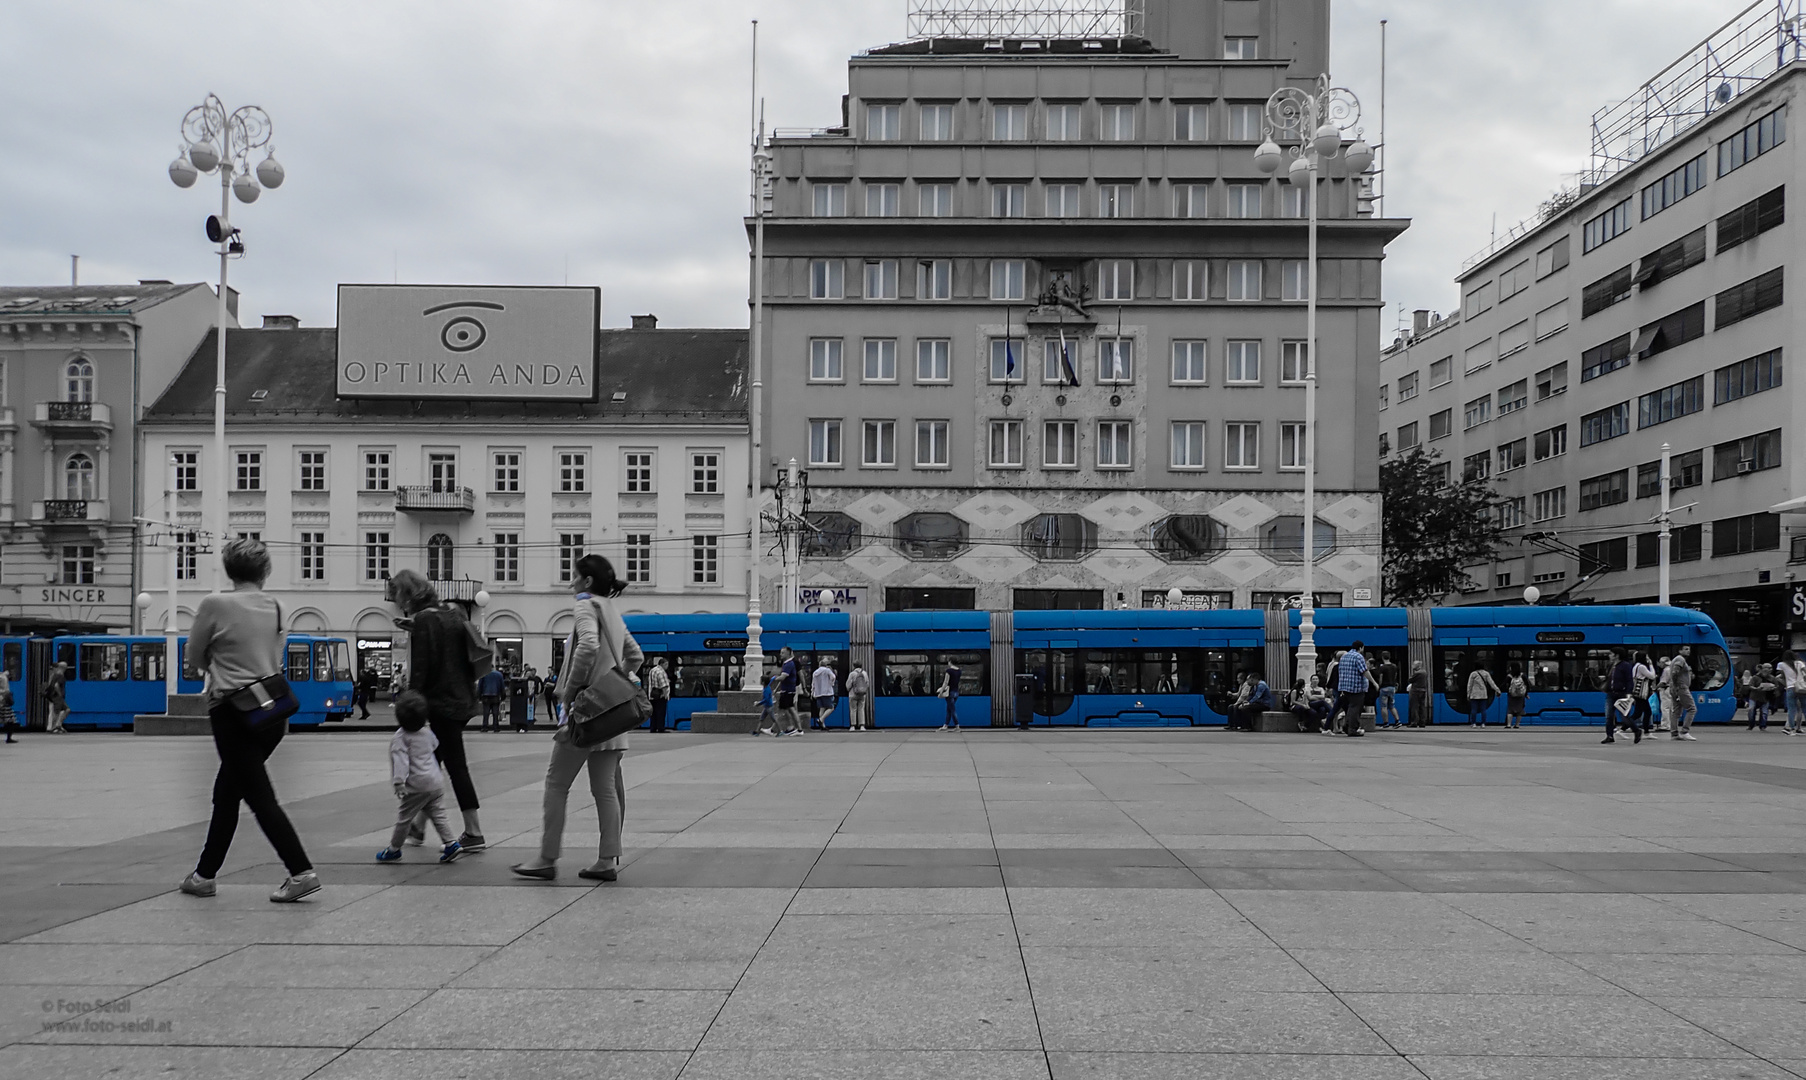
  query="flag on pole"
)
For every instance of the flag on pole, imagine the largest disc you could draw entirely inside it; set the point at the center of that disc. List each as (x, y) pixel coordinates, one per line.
(1009, 352)
(1072, 377)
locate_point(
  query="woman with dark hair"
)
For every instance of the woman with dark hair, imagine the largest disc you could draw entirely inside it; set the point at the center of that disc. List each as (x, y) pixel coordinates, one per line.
(237, 640)
(442, 654)
(599, 641)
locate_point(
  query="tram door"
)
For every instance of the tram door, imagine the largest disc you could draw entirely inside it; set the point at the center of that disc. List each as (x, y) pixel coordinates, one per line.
(1054, 666)
(37, 672)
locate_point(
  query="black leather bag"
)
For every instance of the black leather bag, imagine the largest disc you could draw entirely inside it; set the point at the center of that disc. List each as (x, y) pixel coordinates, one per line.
(611, 704)
(267, 701)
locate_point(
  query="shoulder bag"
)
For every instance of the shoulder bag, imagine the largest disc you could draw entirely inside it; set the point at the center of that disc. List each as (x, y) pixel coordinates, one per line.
(611, 704)
(269, 699)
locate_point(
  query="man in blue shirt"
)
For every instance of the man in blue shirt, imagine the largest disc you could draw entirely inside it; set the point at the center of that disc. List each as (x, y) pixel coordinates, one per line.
(1260, 699)
(1351, 689)
(490, 688)
(787, 683)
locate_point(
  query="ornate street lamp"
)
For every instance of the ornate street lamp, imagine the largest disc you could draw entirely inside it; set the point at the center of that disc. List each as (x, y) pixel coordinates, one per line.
(1312, 125)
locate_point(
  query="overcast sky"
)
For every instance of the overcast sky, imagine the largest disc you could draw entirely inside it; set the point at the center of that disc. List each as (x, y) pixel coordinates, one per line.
(605, 141)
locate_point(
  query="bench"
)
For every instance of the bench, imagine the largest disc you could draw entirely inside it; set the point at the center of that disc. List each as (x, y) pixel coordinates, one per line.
(1286, 722)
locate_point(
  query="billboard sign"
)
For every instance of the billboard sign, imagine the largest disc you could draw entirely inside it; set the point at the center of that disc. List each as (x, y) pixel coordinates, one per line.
(468, 342)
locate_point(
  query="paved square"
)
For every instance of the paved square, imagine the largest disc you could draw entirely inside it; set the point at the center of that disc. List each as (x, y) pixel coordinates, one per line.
(1123, 904)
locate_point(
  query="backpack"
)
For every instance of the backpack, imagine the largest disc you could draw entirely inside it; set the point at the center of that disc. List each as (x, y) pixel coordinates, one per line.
(1517, 687)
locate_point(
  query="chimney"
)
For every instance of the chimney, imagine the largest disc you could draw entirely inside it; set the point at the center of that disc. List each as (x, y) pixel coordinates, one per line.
(281, 322)
(645, 322)
(1420, 322)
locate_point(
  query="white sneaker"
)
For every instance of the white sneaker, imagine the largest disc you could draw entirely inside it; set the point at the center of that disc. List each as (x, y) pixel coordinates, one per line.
(943, 727)
(196, 885)
(296, 888)
(1689, 737)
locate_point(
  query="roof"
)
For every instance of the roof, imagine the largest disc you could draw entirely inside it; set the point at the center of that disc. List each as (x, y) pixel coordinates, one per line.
(87, 299)
(665, 375)
(1033, 47)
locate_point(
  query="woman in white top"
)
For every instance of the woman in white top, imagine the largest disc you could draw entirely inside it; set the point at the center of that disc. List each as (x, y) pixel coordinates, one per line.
(1643, 679)
(1793, 693)
(599, 636)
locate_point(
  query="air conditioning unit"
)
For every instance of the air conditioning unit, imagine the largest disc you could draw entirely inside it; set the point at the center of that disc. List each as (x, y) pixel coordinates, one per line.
(1745, 466)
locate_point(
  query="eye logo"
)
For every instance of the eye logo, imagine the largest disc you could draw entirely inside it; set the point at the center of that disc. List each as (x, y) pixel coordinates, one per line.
(466, 332)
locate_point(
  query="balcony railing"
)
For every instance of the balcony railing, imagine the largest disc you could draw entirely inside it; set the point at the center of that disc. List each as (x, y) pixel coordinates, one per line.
(430, 499)
(51, 510)
(465, 589)
(73, 414)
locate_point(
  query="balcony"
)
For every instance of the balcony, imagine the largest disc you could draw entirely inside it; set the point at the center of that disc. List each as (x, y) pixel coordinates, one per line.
(73, 416)
(67, 511)
(464, 589)
(425, 499)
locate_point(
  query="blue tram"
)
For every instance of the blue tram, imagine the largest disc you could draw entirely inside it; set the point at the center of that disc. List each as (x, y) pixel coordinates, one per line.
(1144, 668)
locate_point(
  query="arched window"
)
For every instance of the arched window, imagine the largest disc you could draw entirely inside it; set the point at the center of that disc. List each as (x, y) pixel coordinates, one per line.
(78, 477)
(1187, 537)
(439, 558)
(78, 380)
(1283, 539)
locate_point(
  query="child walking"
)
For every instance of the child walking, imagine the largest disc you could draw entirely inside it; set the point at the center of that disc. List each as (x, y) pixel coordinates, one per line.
(419, 785)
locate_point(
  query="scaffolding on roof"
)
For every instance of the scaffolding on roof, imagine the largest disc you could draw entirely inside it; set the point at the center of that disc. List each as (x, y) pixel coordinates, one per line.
(1025, 18)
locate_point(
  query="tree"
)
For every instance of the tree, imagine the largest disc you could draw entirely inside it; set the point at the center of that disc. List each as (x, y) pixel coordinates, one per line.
(1433, 530)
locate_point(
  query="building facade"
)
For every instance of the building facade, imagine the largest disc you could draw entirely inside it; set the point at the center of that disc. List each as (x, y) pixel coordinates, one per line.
(487, 496)
(1034, 325)
(78, 364)
(1646, 311)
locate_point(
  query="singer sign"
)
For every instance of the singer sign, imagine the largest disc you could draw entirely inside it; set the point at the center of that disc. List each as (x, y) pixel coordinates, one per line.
(468, 342)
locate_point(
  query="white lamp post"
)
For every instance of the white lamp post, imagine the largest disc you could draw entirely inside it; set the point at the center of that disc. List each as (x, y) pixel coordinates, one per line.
(1316, 122)
(214, 140)
(752, 672)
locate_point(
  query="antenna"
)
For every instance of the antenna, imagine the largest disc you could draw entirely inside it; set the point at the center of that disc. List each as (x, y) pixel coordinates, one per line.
(1379, 199)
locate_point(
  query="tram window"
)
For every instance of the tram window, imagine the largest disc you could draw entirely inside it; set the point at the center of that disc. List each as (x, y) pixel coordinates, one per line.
(1108, 673)
(147, 661)
(15, 660)
(919, 674)
(1455, 663)
(1166, 672)
(695, 675)
(1711, 667)
(1054, 666)
(341, 661)
(299, 667)
(103, 663)
(1570, 669)
(322, 662)
(65, 654)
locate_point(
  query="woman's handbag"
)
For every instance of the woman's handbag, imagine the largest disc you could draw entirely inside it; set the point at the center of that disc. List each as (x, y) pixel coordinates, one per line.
(610, 705)
(265, 701)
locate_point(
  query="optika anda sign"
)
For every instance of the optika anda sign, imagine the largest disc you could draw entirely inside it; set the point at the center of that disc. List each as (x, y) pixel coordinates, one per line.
(468, 342)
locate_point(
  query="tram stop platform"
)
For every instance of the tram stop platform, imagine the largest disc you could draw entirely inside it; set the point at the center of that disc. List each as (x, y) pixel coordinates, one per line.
(1444, 903)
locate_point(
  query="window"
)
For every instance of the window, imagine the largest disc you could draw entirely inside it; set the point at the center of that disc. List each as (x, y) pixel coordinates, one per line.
(1597, 427)
(1479, 356)
(1115, 200)
(249, 475)
(1407, 387)
(1292, 447)
(313, 470)
(1115, 360)
(932, 360)
(1006, 444)
(1115, 445)
(1190, 360)
(880, 444)
(1187, 538)
(442, 471)
(1294, 280)
(1608, 290)
(376, 470)
(1294, 357)
(1291, 201)
(1059, 537)
(1244, 200)
(831, 535)
(934, 279)
(1675, 330)
(1005, 365)
(1747, 377)
(1284, 539)
(1551, 443)
(1685, 544)
(188, 470)
(1439, 473)
(78, 380)
(1511, 516)
(827, 279)
(824, 360)
(1058, 366)
(1684, 471)
(639, 558)
(1188, 444)
(1742, 535)
(824, 442)
(1671, 259)
(1604, 555)
(1605, 359)
(931, 444)
(931, 536)
(1477, 300)
(1117, 122)
(937, 123)
(1607, 490)
(376, 556)
(883, 200)
(1514, 281)
(1191, 123)
(78, 477)
(1552, 320)
(506, 471)
(313, 556)
(705, 472)
(1752, 219)
(439, 558)
(1752, 142)
(1115, 279)
(883, 123)
(1009, 279)
(1552, 381)
(1441, 372)
(1753, 297)
(1242, 362)
(1009, 200)
(880, 360)
(1514, 339)
(1605, 228)
(1514, 397)
(1512, 455)
(881, 279)
(830, 200)
(1407, 436)
(1754, 453)
(188, 553)
(1549, 505)
(1670, 402)
(1063, 200)
(705, 560)
(1009, 123)
(1478, 411)
(1440, 423)
(1241, 48)
(1060, 444)
(1476, 467)
(1241, 446)
(1063, 122)
(639, 472)
(1245, 123)
(78, 564)
(1244, 279)
(1191, 279)
(934, 200)
(570, 549)
(573, 471)
(1674, 187)
(1191, 200)
(1552, 258)
(507, 556)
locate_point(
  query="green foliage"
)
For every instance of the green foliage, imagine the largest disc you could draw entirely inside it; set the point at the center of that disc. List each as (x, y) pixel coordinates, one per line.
(1432, 531)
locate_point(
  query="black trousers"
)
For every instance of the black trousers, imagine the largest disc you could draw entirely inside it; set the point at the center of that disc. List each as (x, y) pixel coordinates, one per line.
(242, 778)
(451, 758)
(659, 705)
(1242, 717)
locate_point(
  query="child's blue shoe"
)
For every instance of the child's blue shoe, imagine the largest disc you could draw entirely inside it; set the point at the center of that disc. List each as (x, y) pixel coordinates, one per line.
(451, 852)
(389, 854)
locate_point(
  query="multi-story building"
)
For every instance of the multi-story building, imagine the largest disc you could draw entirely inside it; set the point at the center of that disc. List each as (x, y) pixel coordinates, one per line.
(490, 495)
(77, 366)
(1034, 321)
(1643, 310)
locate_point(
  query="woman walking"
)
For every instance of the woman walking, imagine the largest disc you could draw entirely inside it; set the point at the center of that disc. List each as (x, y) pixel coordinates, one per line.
(442, 648)
(599, 641)
(237, 641)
